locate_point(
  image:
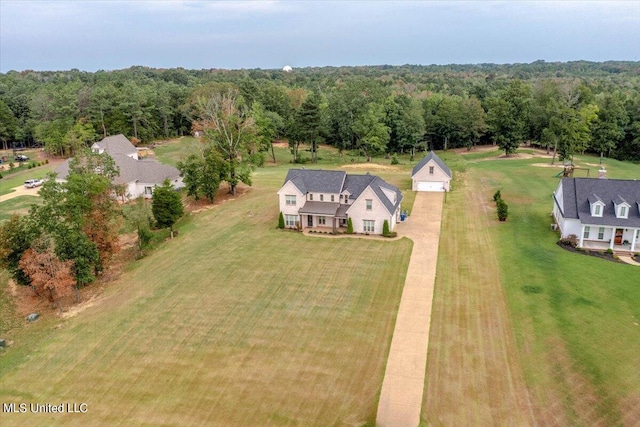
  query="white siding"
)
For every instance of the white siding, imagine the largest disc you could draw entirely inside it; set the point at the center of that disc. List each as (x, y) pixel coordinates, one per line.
(290, 189)
(358, 212)
(438, 175)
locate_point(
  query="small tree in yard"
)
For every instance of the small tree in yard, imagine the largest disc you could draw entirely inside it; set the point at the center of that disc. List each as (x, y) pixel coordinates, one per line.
(50, 277)
(385, 228)
(281, 221)
(167, 206)
(497, 195)
(503, 210)
(349, 226)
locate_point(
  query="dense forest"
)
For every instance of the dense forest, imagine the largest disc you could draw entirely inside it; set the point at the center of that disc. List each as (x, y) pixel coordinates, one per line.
(566, 107)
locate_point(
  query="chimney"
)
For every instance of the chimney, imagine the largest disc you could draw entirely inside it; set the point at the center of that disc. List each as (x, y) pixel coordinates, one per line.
(602, 173)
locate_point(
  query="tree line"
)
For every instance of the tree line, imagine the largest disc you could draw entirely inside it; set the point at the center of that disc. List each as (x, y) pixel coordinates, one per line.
(567, 108)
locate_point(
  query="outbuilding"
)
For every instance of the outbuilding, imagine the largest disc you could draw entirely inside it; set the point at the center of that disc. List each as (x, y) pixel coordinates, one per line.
(431, 174)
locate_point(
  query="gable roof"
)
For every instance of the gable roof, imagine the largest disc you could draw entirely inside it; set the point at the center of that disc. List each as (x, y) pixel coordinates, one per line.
(316, 180)
(116, 144)
(337, 182)
(578, 193)
(431, 156)
(147, 171)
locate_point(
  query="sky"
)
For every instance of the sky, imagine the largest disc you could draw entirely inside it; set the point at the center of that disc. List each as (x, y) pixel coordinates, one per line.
(94, 35)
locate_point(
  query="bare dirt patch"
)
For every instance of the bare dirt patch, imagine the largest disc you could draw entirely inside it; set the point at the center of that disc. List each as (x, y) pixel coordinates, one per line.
(223, 196)
(548, 165)
(370, 166)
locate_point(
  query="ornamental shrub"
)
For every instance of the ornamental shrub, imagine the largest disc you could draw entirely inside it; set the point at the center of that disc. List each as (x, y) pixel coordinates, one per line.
(394, 160)
(503, 210)
(497, 196)
(385, 228)
(570, 240)
(281, 221)
(349, 226)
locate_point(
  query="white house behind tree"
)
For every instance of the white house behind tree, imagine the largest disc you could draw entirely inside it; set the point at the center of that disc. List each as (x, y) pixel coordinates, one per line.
(139, 176)
(602, 213)
(324, 198)
(431, 174)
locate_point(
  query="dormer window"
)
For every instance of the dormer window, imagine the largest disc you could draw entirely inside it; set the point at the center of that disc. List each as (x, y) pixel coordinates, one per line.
(622, 207)
(597, 206)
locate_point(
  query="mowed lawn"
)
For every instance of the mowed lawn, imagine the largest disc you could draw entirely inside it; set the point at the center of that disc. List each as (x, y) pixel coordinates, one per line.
(233, 323)
(524, 332)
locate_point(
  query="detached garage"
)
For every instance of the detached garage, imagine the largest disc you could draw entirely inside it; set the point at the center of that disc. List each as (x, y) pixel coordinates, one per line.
(431, 174)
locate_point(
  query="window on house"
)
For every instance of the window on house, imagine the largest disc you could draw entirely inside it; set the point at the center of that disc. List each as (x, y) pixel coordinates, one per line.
(346, 198)
(368, 226)
(290, 220)
(322, 220)
(332, 199)
(623, 211)
(601, 233)
(322, 197)
(587, 230)
(430, 170)
(369, 204)
(310, 196)
(290, 200)
(148, 190)
(596, 210)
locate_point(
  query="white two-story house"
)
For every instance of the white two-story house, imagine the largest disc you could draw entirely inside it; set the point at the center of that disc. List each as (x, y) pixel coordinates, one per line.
(325, 198)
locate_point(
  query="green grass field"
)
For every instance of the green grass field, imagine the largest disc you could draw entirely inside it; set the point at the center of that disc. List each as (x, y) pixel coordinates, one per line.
(18, 205)
(232, 323)
(567, 351)
(237, 323)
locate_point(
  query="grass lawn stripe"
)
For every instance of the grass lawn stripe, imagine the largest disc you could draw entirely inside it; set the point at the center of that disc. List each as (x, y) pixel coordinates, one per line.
(240, 336)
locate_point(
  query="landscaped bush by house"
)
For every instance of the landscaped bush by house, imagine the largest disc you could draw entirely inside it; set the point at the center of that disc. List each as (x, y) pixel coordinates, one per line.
(497, 196)
(503, 210)
(349, 226)
(281, 221)
(385, 228)
(570, 240)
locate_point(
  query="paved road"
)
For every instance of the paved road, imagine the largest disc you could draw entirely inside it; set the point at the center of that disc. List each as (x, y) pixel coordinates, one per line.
(401, 396)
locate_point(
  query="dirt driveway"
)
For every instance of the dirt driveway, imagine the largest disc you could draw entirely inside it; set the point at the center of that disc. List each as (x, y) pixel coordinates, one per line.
(20, 190)
(403, 384)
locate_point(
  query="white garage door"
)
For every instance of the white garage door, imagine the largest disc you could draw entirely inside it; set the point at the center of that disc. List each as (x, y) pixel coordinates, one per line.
(430, 186)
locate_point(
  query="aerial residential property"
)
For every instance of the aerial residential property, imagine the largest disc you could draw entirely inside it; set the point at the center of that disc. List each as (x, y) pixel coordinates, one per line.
(324, 198)
(139, 175)
(602, 213)
(431, 174)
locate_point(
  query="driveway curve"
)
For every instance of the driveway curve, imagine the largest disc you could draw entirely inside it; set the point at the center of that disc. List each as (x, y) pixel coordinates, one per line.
(401, 395)
(18, 191)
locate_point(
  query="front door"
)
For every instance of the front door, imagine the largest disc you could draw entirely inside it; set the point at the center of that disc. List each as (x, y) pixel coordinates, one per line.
(309, 221)
(618, 239)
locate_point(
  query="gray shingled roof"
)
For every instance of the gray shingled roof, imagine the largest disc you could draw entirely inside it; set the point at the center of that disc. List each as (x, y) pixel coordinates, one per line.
(325, 181)
(117, 144)
(577, 192)
(316, 181)
(147, 171)
(320, 208)
(424, 161)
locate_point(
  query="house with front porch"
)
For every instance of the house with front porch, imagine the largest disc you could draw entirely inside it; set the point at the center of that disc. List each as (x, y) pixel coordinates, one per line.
(327, 199)
(602, 213)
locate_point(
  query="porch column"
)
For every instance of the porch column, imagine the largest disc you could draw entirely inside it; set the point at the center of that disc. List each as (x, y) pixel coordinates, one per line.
(633, 240)
(613, 237)
(581, 236)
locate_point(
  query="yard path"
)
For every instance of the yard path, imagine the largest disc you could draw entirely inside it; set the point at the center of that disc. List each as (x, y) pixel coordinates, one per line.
(401, 396)
(18, 191)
